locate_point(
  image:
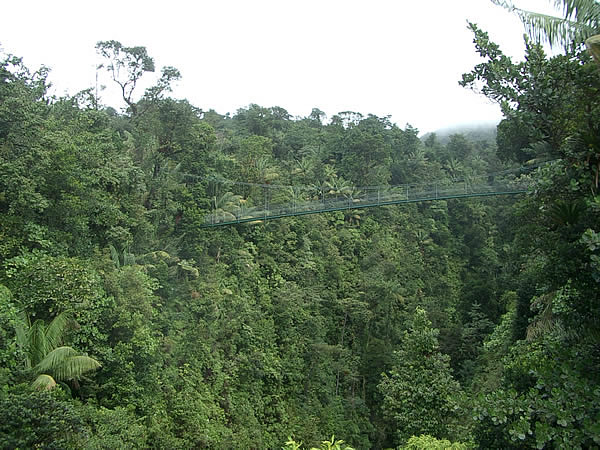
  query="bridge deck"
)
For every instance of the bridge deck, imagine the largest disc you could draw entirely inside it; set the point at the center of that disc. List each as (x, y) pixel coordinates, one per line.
(382, 198)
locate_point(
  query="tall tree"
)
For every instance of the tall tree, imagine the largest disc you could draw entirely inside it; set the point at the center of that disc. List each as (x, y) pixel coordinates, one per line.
(127, 65)
(418, 393)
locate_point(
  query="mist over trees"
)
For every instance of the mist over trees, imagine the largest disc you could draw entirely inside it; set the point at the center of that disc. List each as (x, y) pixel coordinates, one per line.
(476, 132)
(467, 323)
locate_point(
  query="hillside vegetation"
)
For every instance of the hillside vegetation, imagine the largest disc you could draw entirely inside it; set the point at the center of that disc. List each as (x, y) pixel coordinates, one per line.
(126, 324)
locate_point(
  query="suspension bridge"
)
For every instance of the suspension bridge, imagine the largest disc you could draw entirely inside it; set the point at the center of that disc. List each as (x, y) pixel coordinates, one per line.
(277, 201)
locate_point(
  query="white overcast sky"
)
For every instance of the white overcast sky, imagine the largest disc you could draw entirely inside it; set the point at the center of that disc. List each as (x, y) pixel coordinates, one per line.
(383, 57)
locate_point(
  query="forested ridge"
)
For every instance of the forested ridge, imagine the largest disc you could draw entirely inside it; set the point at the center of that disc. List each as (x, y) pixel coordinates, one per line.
(469, 323)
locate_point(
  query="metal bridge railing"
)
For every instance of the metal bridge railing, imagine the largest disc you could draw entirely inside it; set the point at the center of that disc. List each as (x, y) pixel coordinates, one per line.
(363, 198)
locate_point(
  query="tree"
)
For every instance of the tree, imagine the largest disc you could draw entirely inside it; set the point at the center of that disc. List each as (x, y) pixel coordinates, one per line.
(39, 420)
(227, 206)
(168, 75)
(549, 376)
(127, 65)
(111, 428)
(546, 102)
(364, 152)
(426, 442)
(548, 404)
(8, 317)
(46, 358)
(459, 147)
(24, 159)
(44, 286)
(419, 392)
(59, 162)
(333, 444)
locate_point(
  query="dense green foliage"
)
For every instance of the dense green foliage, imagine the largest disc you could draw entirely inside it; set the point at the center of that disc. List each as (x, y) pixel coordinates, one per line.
(418, 396)
(465, 322)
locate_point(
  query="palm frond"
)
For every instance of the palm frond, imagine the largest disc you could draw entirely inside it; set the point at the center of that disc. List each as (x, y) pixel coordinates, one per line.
(554, 30)
(227, 200)
(65, 363)
(37, 344)
(76, 366)
(114, 255)
(43, 382)
(581, 20)
(545, 321)
(55, 359)
(564, 212)
(56, 329)
(129, 258)
(504, 4)
(21, 328)
(586, 11)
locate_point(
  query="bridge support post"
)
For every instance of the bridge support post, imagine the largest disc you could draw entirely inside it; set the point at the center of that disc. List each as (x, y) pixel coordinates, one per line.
(295, 193)
(266, 203)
